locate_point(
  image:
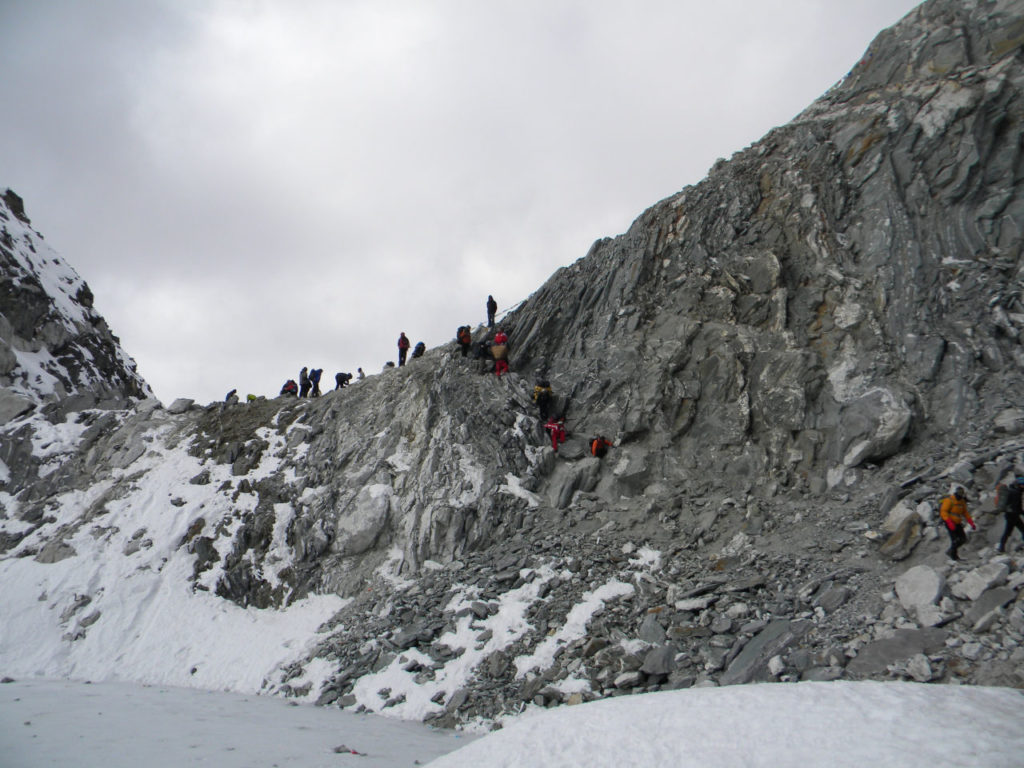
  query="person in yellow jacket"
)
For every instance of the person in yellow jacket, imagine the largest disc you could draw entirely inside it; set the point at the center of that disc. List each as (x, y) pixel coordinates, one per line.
(954, 514)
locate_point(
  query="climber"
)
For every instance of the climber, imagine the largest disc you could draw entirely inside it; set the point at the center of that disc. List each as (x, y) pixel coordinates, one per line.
(1009, 503)
(464, 338)
(359, 374)
(492, 308)
(482, 352)
(954, 514)
(314, 379)
(231, 397)
(403, 348)
(556, 426)
(599, 446)
(342, 380)
(290, 388)
(418, 350)
(499, 351)
(543, 396)
(304, 381)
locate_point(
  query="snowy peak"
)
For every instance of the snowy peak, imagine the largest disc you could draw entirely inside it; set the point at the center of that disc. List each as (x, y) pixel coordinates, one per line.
(55, 349)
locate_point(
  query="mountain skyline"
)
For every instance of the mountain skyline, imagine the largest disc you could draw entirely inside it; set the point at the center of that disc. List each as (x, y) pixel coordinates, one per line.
(252, 190)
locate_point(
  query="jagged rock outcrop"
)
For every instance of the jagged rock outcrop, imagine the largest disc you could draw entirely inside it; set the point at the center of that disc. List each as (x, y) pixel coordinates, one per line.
(55, 349)
(844, 288)
(795, 359)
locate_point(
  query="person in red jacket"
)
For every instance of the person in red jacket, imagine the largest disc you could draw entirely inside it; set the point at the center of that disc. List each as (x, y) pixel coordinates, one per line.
(556, 426)
(499, 350)
(403, 348)
(954, 514)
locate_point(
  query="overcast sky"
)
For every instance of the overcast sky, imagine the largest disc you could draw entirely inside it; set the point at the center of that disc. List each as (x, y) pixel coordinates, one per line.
(250, 186)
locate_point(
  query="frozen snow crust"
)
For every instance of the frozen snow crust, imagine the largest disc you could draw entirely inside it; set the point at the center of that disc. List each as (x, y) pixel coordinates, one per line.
(795, 358)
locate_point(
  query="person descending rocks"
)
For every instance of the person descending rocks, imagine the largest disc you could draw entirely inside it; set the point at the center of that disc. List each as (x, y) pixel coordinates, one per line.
(290, 388)
(314, 379)
(304, 381)
(465, 339)
(482, 353)
(231, 397)
(403, 348)
(556, 426)
(341, 380)
(1009, 503)
(954, 514)
(492, 308)
(543, 396)
(599, 446)
(499, 351)
(359, 374)
(418, 350)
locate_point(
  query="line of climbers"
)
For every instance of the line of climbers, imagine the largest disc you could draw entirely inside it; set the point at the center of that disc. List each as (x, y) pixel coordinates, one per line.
(487, 350)
(308, 384)
(1009, 501)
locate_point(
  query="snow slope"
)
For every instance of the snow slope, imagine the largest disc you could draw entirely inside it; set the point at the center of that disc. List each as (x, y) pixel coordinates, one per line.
(806, 724)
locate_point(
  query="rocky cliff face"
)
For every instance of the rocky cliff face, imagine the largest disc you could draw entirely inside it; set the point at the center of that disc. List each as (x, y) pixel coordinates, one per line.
(843, 290)
(795, 358)
(56, 351)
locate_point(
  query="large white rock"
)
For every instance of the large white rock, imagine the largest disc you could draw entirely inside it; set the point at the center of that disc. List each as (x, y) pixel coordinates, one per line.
(977, 581)
(12, 406)
(897, 516)
(180, 405)
(919, 586)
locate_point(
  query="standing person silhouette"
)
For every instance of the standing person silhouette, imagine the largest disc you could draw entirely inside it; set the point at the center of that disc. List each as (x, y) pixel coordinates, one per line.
(403, 348)
(492, 308)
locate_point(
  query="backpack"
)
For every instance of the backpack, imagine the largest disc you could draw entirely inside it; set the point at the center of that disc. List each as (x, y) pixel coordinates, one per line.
(1001, 490)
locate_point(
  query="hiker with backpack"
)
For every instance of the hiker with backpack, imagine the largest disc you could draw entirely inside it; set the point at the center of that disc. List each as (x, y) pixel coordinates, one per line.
(953, 511)
(499, 351)
(290, 388)
(314, 380)
(492, 308)
(1008, 501)
(599, 446)
(403, 348)
(418, 350)
(304, 383)
(465, 339)
(543, 397)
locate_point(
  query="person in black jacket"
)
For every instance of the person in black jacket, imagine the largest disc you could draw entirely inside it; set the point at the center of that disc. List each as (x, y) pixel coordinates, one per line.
(492, 308)
(1010, 506)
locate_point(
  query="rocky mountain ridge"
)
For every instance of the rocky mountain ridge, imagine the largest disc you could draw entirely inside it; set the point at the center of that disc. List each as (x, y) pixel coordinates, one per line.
(796, 358)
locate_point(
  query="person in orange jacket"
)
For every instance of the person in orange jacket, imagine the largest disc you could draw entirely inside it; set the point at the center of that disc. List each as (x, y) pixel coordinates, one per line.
(954, 514)
(599, 446)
